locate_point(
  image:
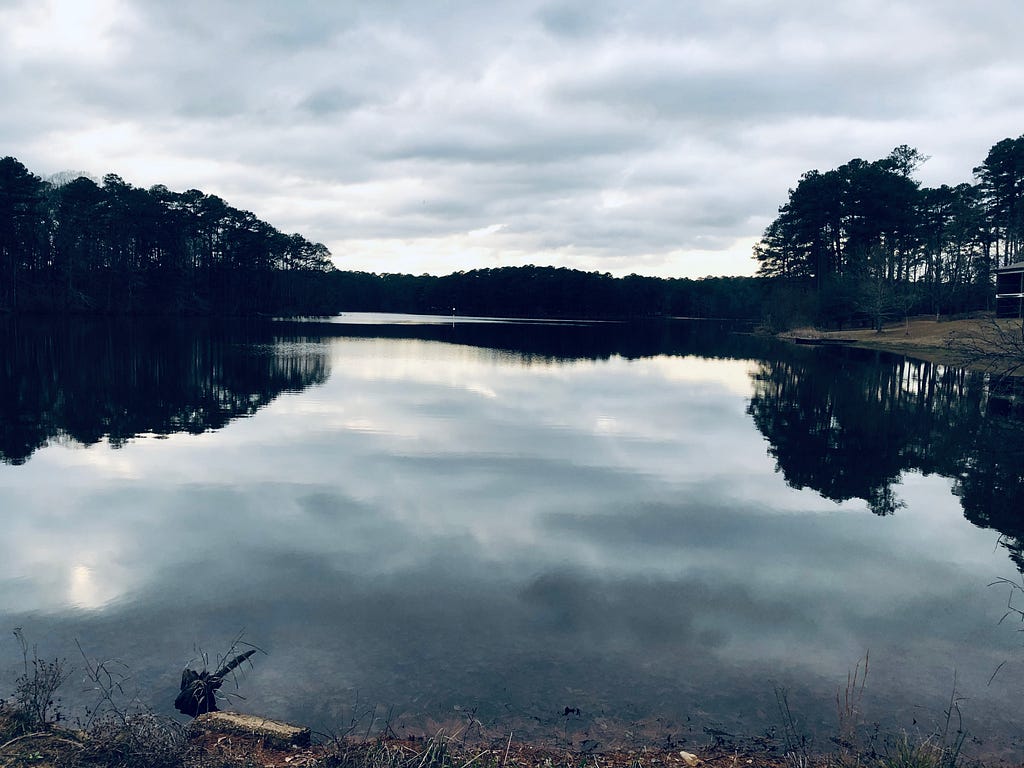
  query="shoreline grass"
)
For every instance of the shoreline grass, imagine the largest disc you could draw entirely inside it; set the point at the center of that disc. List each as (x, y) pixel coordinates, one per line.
(119, 732)
(171, 746)
(139, 738)
(979, 341)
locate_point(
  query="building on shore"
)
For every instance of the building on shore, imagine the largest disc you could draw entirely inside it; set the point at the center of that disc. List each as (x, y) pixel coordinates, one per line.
(1010, 290)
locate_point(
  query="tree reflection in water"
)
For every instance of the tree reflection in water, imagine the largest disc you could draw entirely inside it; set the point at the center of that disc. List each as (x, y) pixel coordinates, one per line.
(847, 423)
(85, 380)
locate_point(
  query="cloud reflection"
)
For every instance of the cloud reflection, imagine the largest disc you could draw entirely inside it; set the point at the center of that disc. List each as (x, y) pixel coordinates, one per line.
(393, 532)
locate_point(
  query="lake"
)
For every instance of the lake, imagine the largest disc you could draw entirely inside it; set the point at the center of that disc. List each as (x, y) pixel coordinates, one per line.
(597, 533)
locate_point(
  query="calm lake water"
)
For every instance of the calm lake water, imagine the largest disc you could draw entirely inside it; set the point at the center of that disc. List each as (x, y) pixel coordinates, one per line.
(660, 525)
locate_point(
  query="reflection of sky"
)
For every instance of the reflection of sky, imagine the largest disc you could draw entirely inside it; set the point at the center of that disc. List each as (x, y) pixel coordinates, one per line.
(440, 524)
(394, 318)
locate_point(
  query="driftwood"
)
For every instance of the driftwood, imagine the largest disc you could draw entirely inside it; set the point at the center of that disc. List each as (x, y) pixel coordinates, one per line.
(198, 692)
(271, 733)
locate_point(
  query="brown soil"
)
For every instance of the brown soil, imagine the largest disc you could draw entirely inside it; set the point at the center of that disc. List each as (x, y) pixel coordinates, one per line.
(58, 748)
(215, 751)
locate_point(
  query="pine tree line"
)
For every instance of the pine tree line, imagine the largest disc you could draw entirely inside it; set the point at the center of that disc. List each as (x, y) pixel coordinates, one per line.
(870, 240)
(78, 246)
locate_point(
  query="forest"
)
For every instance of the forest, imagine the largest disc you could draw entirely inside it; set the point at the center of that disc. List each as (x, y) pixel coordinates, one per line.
(72, 245)
(552, 292)
(866, 241)
(856, 245)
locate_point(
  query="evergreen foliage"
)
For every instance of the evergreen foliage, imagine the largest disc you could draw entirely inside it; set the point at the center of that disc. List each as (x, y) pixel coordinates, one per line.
(557, 292)
(79, 246)
(872, 242)
(75, 245)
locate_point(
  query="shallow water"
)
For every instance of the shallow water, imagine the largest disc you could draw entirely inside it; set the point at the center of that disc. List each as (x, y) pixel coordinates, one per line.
(660, 525)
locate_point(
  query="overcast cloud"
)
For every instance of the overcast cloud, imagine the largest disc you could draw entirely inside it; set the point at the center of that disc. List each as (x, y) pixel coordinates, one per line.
(654, 136)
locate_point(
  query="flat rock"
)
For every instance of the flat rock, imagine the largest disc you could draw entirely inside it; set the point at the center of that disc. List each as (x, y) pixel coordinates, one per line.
(271, 732)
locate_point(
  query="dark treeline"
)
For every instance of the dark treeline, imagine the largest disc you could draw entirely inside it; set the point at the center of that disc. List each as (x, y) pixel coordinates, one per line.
(80, 246)
(549, 292)
(859, 243)
(866, 240)
(77, 246)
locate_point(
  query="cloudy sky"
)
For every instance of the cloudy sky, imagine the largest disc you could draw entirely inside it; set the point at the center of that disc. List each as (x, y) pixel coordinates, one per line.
(649, 136)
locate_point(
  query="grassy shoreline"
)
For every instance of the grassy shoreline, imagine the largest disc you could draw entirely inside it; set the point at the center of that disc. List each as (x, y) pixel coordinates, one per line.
(168, 744)
(971, 342)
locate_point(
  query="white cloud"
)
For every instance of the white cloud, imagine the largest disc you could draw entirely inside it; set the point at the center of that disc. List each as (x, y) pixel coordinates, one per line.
(650, 138)
(67, 31)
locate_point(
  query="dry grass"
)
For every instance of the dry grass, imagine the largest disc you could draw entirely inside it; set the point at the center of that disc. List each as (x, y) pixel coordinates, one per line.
(973, 342)
(156, 744)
